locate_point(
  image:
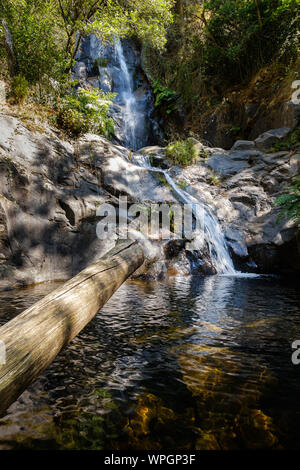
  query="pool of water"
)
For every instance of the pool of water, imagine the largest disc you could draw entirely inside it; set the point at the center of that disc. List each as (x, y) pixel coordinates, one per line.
(188, 363)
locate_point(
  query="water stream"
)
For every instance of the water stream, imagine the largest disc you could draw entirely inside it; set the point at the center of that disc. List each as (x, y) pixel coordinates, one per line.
(209, 228)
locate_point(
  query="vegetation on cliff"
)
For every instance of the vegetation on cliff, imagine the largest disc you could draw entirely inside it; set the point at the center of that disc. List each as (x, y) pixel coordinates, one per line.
(221, 51)
(39, 40)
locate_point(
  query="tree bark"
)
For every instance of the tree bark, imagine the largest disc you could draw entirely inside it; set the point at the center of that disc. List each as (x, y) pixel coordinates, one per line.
(11, 58)
(34, 338)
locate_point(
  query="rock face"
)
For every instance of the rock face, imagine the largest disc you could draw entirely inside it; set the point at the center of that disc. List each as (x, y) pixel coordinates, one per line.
(49, 194)
(246, 182)
(270, 138)
(50, 191)
(250, 118)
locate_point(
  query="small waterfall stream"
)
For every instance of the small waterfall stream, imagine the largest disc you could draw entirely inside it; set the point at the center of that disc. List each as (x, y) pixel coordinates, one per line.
(208, 223)
(132, 117)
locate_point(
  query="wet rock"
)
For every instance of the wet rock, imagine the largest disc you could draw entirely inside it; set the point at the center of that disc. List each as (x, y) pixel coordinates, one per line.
(156, 155)
(236, 242)
(119, 175)
(244, 203)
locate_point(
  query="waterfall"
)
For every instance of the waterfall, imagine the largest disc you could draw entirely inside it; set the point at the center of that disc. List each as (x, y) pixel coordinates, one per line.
(132, 117)
(135, 129)
(210, 227)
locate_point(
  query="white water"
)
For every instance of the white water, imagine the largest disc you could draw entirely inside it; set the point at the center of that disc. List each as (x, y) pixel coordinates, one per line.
(205, 218)
(209, 224)
(132, 117)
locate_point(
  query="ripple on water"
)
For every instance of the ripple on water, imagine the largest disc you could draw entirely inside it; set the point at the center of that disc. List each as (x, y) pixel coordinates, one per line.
(193, 362)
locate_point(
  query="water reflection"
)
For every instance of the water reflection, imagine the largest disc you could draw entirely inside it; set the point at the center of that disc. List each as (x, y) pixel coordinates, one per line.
(193, 362)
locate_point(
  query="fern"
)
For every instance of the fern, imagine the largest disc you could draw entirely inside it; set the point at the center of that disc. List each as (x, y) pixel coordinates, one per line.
(290, 202)
(165, 96)
(86, 111)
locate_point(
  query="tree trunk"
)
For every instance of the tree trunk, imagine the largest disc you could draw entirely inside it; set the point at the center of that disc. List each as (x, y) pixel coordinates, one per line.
(11, 58)
(34, 338)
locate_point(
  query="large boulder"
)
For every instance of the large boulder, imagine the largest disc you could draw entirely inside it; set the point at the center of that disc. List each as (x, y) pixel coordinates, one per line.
(50, 191)
(227, 165)
(271, 137)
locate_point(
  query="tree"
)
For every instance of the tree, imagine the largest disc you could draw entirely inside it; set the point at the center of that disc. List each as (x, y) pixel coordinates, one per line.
(147, 19)
(46, 32)
(35, 37)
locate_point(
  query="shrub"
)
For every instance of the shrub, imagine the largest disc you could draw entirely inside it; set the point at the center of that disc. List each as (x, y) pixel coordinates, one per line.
(86, 111)
(214, 180)
(37, 39)
(20, 89)
(182, 152)
(290, 202)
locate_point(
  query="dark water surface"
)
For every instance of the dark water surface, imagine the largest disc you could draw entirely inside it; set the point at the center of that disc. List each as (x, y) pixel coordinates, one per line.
(189, 363)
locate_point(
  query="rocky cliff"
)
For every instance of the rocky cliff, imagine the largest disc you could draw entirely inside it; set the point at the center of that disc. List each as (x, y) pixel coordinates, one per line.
(50, 190)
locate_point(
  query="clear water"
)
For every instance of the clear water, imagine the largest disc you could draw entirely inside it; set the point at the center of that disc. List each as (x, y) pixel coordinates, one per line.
(189, 363)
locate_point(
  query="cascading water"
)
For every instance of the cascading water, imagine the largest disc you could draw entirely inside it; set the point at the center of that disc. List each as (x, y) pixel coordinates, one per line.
(133, 120)
(132, 117)
(116, 68)
(208, 223)
(118, 73)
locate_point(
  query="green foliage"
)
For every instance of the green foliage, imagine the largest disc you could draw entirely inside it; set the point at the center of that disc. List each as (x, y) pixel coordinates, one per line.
(255, 32)
(46, 33)
(290, 202)
(85, 111)
(165, 96)
(20, 89)
(146, 19)
(214, 44)
(214, 180)
(291, 142)
(182, 152)
(37, 41)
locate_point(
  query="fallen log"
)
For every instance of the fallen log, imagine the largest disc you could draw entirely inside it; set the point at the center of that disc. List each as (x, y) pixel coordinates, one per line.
(34, 338)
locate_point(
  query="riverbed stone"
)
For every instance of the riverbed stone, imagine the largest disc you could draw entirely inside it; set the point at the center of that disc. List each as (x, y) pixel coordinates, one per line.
(225, 165)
